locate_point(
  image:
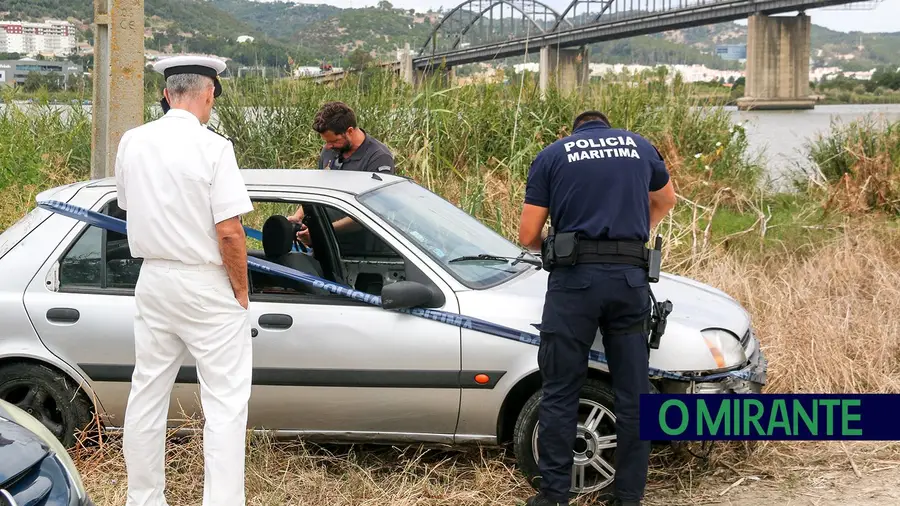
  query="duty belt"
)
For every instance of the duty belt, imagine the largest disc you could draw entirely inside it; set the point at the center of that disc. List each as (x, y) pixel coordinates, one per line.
(612, 252)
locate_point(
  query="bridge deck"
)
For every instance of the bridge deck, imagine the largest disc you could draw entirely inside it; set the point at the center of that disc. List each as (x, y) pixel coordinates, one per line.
(699, 13)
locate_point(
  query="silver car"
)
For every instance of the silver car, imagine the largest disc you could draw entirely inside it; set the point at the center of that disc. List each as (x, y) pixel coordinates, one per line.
(329, 363)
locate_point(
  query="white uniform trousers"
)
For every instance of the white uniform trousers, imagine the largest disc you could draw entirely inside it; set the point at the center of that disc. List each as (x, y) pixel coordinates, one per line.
(185, 309)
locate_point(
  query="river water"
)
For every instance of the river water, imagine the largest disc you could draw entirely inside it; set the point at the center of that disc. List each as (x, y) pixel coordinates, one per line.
(778, 138)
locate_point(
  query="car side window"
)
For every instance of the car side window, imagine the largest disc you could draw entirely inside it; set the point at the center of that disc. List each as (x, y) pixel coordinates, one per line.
(80, 266)
(338, 249)
(99, 259)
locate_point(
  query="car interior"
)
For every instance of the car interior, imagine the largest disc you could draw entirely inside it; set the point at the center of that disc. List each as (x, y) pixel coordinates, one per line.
(354, 257)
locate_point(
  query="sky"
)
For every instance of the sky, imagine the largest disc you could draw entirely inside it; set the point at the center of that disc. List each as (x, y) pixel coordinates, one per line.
(883, 16)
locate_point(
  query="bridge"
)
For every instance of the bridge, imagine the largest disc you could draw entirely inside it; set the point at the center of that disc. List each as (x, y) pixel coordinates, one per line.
(484, 30)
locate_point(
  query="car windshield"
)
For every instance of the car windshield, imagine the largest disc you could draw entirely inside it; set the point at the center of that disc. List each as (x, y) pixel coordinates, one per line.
(445, 233)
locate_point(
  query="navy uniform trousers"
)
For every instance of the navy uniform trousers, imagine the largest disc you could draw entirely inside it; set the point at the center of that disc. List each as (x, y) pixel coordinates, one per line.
(580, 299)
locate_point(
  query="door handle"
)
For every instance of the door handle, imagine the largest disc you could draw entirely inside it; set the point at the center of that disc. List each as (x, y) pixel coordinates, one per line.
(63, 315)
(276, 321)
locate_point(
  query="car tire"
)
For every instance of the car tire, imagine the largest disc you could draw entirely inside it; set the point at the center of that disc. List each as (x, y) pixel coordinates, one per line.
(50, 396)
(596, 400)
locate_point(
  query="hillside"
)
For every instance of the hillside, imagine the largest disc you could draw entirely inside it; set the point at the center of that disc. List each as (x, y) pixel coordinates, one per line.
(175, 25)
(854, 51)
(307, 34)
(330, 32)
(193, 16)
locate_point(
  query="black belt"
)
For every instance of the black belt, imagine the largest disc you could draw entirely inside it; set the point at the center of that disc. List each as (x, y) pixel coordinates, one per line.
(612, 252)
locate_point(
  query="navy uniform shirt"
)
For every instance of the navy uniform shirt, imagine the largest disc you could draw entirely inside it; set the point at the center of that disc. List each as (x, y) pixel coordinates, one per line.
(371, 156)
(596, 181)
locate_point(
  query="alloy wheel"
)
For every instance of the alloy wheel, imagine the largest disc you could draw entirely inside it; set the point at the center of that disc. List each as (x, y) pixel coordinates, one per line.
(594, 451)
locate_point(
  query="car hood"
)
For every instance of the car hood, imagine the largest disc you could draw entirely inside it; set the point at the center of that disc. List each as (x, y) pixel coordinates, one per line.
(695, 304)
(519, 303)
(20, 450)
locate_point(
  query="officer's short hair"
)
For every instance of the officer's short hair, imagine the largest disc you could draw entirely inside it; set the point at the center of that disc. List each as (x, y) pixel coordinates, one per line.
(334, 116)
(590, 116)
(183, 86)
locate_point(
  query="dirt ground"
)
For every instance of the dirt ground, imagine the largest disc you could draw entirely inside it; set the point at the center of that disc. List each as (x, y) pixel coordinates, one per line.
(879, 485)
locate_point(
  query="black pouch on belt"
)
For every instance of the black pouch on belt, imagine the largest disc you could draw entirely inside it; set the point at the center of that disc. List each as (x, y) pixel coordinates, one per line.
(565, 248)
(548, 258)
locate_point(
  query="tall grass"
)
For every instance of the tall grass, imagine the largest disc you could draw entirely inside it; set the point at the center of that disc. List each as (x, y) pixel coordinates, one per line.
(40, 147)
(474, 144)
(859, 165)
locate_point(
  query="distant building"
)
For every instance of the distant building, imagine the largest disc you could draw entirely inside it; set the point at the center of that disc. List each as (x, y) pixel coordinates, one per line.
(52, 36)
(732, 51)
(14, 72)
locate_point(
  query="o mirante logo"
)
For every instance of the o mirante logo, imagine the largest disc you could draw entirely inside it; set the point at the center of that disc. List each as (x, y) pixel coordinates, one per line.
(770, 417)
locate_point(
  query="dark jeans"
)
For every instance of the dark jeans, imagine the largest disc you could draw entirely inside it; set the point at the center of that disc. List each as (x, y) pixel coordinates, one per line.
(579, 300)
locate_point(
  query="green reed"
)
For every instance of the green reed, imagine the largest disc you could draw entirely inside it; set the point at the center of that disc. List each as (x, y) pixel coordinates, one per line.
(37, 139)
(860, 163)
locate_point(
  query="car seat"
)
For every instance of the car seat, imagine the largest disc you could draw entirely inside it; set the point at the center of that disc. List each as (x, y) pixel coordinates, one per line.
(278, 240)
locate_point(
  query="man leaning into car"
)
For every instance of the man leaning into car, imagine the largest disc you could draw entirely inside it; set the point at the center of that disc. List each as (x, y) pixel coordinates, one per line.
(180, 185)
(347, 147)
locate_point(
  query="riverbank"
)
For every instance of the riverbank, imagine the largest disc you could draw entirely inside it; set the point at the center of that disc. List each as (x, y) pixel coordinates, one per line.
(818, 268)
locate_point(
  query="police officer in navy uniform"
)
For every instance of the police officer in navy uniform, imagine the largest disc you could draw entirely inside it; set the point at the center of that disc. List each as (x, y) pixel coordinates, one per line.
(603, 189)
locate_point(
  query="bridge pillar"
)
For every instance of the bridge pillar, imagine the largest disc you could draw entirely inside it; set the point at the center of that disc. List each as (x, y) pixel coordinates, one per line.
(565, 69)
(407, 72)
(777, 63)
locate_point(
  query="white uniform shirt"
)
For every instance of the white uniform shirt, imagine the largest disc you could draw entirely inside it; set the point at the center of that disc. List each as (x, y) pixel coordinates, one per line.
(176, 179)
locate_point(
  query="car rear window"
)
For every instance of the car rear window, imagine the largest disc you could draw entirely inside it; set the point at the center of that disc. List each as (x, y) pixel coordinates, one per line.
(20, 229)
(14, 234)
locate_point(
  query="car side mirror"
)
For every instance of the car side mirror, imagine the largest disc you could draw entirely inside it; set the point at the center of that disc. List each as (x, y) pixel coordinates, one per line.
(410, 294)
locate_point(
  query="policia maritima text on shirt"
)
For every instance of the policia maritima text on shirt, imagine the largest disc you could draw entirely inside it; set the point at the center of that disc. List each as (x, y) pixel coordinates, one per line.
(610, 187)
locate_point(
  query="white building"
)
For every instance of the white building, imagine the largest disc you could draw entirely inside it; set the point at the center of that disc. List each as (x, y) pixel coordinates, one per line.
(52, 36)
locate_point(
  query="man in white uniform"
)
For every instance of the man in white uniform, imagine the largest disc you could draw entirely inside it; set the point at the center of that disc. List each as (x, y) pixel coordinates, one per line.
(180, 185)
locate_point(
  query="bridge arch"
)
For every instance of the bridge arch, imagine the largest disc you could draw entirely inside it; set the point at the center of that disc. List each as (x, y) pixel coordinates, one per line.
(588, 4)
(460, 20)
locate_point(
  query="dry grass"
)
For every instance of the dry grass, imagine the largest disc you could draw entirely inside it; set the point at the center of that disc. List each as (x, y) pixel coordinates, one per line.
(827, 321)
(858, 167)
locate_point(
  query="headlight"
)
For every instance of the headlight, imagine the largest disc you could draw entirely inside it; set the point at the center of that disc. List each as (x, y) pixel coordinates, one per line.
(725, 348)
(29, 422)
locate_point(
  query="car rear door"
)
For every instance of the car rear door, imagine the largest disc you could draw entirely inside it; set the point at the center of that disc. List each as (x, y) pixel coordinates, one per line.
(81, 303)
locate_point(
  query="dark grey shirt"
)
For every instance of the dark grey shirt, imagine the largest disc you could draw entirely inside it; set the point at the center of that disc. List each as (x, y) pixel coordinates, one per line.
(371, 156)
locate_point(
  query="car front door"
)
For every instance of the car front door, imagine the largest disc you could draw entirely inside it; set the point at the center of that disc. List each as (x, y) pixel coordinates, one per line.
(326, 364)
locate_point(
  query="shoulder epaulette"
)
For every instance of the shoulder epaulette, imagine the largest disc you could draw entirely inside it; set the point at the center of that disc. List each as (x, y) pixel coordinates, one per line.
(213, 130)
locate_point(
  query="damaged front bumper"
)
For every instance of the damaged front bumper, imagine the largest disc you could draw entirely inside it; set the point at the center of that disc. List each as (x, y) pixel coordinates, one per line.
(749, 379)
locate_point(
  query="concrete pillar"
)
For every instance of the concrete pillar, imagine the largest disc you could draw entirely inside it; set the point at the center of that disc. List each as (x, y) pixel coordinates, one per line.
(407, 73)
(118, 103)
(566, 70)
(777, 63)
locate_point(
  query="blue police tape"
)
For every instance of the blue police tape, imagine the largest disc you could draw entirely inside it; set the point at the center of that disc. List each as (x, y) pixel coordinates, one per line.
(466, 322)
(253, 233)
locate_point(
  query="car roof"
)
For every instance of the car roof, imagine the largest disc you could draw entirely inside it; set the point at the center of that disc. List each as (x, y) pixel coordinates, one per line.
(352, 182)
